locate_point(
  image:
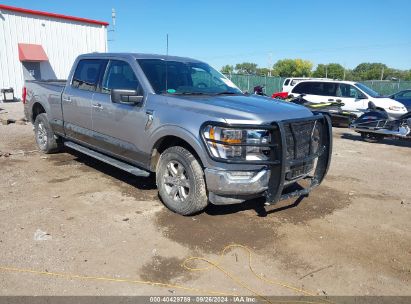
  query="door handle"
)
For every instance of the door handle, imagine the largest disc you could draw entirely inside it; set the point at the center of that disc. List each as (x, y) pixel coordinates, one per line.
(330, 99)
(67, 99)
(97, 106)
(338, 100)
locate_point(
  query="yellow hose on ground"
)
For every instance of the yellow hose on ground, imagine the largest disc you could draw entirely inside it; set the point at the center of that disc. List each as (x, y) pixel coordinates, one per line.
(211, 264)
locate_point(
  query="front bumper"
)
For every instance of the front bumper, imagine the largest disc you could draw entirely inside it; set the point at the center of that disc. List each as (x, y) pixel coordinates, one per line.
(286, 168)
(395, 114)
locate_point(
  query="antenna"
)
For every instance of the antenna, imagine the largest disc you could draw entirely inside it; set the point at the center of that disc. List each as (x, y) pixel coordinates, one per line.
(167, 45)
(167, 65)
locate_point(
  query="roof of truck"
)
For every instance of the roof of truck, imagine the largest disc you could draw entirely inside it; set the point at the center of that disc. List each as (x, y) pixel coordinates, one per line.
(140, 56)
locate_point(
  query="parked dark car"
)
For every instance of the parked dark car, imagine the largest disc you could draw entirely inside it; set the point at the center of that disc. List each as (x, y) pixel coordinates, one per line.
(404, 97)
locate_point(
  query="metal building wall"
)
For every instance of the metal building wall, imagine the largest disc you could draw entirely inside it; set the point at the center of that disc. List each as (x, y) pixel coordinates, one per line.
(62, 40)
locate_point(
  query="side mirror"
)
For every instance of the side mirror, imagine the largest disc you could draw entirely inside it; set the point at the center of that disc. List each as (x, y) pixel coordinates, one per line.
(361, 97)
(130, 97)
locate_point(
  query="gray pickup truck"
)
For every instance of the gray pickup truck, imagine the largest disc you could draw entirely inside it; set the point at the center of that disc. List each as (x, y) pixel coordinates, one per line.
(179, 118)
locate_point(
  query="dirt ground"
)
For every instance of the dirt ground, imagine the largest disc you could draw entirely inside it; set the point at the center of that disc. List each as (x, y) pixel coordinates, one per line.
(69, 214)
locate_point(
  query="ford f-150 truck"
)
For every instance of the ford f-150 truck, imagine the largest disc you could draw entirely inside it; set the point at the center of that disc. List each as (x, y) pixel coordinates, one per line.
(179, 118)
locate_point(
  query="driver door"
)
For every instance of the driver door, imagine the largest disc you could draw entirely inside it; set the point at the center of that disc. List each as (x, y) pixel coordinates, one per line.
(119, 128)
(353, 100)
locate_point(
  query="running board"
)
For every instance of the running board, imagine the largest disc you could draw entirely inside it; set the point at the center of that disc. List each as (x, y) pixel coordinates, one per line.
(107, 159)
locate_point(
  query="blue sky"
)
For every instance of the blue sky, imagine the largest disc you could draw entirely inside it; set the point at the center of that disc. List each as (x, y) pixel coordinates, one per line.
(261, 31)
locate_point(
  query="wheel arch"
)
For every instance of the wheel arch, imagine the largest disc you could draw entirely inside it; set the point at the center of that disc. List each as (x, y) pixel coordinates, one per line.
(37, 109)
(175, 137)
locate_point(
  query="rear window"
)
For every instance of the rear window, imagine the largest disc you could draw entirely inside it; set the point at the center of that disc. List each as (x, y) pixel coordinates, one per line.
(87, 74)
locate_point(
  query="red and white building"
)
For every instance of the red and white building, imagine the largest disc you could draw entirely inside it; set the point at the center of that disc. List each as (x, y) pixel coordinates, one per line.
(42, 45)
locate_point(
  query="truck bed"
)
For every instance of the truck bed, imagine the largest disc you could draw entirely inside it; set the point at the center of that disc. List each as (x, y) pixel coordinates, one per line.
(55, 85)
(48, 94)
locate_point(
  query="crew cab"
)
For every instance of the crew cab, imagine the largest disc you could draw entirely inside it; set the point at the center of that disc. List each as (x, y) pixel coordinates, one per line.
(180, 119)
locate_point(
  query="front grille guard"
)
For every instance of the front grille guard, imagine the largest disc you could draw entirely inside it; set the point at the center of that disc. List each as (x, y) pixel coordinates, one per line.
(277, 179)
(278, 161)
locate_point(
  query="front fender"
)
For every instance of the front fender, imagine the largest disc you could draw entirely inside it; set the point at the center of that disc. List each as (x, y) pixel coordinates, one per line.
(193, 140)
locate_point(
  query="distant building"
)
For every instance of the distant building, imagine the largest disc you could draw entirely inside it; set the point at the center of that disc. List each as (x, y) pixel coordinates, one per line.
(42, 45)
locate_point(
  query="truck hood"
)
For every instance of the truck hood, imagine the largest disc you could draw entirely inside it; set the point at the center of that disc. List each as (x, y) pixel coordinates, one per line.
(241, 108)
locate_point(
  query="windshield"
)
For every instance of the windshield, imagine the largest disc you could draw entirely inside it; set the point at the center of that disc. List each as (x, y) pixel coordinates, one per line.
(177, 77)
(367, 90)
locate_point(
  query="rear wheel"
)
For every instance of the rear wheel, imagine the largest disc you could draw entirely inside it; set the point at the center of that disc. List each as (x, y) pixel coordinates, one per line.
(46, 141)
(180, 181)
(372, 138)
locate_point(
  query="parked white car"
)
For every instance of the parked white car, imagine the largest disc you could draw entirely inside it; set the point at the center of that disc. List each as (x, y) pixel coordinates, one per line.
(354, 95)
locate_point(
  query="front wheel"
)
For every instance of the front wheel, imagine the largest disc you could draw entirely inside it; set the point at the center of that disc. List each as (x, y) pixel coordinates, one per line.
(372, 138)
(45, 138)
(180, 181)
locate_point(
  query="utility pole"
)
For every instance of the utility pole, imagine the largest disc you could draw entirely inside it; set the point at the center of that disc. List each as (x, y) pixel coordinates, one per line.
(382, 73)
(326, 71)
(270, 63)
(113, 25)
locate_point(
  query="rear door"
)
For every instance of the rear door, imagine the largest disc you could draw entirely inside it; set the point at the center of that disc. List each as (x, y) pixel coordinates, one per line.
(316, 91)
(119, 127)
(352, 98)
(77, 98)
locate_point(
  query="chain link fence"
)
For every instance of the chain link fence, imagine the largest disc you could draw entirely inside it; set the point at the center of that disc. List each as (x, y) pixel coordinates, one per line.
(247, 83)
(274, 84)
(385, 87)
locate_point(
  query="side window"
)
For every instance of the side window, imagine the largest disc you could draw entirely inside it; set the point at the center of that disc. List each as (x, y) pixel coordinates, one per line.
(304, 88)
(287, 81)
(405, 95)
(87, 74)
(328, 89)
(348, 91)
(119, 75)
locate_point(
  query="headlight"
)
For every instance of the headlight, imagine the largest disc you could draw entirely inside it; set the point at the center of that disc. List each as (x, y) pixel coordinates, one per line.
(395, 108)
(237, 144)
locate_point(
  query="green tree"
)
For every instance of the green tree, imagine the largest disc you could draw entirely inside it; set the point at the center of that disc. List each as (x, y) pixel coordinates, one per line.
(246, 68)
(227, 69)
(331, 70)
(370, 71)
(263, 71)
(292, 67)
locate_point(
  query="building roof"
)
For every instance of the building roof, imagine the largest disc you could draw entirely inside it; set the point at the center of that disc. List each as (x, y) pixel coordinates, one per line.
(51, 15)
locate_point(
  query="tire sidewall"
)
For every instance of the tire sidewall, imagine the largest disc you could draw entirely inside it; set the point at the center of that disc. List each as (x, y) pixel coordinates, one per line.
(194, 202)
(51, 142)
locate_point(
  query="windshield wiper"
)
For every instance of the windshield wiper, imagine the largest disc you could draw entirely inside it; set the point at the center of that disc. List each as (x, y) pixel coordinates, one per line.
(183, 93)
(191, 93)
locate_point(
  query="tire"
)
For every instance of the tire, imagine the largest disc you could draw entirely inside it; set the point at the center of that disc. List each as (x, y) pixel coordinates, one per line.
(372, 138)
(180, 181)
(45, 138)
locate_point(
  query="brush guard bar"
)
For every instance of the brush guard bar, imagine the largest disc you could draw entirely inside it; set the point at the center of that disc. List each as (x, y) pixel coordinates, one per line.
(291, 155)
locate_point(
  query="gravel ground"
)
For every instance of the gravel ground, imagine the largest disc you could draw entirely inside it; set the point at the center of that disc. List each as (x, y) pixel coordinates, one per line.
(67, 213)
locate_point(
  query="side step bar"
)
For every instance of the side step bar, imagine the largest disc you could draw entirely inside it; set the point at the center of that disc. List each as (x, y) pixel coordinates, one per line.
(107, 159)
